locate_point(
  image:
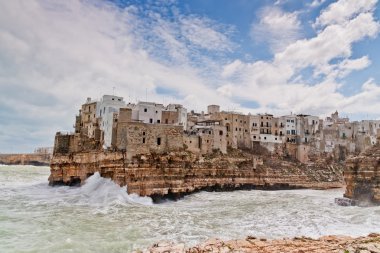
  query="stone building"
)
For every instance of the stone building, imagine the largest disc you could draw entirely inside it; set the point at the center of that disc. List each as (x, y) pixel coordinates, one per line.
(206, 137)
(88, 119)
(175, 114)
(136, 137)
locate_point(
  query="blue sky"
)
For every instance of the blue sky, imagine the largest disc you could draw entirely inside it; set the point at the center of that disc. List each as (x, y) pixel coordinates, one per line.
(277, 56)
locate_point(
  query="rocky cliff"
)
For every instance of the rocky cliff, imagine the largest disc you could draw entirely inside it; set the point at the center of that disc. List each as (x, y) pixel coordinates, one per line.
(362, 176)
(175, 174)
(25, 159)
(326, 244)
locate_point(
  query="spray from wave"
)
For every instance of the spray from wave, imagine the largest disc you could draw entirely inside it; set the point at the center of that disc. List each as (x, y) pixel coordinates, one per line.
(101, 191)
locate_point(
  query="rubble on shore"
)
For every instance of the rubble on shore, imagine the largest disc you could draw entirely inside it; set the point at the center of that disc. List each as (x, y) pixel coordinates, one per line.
(325, 244)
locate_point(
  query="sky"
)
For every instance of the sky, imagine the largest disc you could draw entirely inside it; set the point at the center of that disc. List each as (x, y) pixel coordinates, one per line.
(251, 56)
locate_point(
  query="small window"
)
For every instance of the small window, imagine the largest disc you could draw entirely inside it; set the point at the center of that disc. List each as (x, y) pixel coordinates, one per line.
(207, 141)
(158, 121)
(236, 129)
(145, 110)
(150, 120)
(158, 141)
(143, 140)
(144, 133)
(209, 132)
(265, 138)
(156, 111)
(119, 99)
(220, 132)
(275, 139)
(113, 99)
(190, 141)
(254, 137)
(166, 121)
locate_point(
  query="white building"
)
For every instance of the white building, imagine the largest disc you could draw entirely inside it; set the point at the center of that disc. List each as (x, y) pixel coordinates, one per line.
(147, 112)
(106, 108)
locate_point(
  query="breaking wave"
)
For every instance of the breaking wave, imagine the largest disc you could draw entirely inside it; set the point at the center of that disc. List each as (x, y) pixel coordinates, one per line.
(101, 191)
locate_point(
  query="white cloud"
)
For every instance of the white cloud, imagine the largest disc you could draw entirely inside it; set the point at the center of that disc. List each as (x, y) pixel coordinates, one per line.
(63, 53)
(343, 10)
(204, 33)
(317, 3)
(278, 84)
(277, 27)
(56, 54)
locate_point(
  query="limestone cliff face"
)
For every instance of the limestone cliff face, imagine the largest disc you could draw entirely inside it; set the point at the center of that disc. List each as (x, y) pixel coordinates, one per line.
(176, 174)
(25, 159)
(362, 176)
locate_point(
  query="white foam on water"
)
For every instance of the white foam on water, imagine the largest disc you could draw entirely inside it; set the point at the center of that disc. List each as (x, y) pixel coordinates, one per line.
(100, 216)
(101, 191)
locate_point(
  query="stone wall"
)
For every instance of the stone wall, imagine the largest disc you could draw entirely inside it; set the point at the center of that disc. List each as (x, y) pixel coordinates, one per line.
(142, 138)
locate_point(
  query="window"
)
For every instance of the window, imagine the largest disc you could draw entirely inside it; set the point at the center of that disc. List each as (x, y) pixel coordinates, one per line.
(287, 131)
(113, 99)
(254, 137)
(144, 133)
(156, 111)
(236, 129)
(225, 119)
(150, 120)
(145, 110)
(220, 132)
(119, 99)
(275, 139)
(143, 140)
(209, 132)
(158, 121)
(265, 138)
(207, 141)
(159, 141)
(293, 132)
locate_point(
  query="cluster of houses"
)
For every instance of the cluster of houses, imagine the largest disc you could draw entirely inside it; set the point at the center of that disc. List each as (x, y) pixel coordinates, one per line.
(147, 127)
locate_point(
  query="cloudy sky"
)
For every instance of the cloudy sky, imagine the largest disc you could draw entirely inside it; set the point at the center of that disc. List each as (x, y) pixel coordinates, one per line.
(277, 56)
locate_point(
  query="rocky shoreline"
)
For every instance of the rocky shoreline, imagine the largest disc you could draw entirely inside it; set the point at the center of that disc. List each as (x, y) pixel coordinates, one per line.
(325, 244)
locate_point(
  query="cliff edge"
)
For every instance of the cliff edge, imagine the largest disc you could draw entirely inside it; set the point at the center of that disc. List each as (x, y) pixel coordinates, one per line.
(175, 174)
(362, 176)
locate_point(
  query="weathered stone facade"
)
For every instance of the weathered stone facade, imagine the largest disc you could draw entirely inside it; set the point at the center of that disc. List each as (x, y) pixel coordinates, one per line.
(362, 176)
(178, 173)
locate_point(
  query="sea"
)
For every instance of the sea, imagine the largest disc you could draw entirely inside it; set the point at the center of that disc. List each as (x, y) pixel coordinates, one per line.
(101, 217)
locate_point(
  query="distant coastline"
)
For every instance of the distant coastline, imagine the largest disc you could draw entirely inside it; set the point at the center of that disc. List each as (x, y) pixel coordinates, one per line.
(36, 159)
